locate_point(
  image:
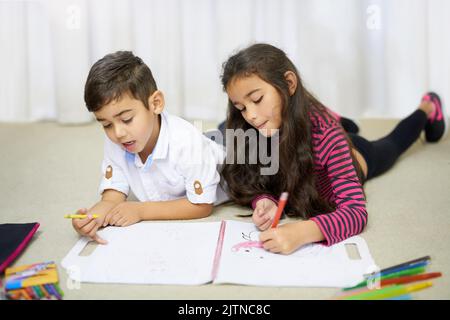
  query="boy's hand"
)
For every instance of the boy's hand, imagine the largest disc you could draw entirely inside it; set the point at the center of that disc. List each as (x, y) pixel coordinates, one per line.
(124, 214)
(88, 226)
(264, 213)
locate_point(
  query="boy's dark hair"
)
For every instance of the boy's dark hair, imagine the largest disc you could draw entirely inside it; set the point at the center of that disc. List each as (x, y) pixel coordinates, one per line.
(116, 74)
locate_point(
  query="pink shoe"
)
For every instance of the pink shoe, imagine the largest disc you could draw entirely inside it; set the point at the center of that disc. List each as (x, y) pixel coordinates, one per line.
(437, 126)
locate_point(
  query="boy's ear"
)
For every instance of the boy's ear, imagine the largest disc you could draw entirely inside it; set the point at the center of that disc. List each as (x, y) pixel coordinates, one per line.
(291, 80)
(156, 102)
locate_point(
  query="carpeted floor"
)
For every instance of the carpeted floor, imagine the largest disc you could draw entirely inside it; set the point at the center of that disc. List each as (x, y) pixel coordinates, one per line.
(50, 170)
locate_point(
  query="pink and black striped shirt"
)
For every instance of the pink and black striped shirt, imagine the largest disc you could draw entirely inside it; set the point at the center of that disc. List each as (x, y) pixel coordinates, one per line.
(336, 181)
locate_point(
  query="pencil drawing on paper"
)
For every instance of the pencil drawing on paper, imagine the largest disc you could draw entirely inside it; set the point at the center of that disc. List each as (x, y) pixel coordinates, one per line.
(252, 246)
(157, 263)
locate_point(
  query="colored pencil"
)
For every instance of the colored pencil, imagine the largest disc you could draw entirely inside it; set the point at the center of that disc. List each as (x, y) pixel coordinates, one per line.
(26, 295)
(80, 216)
(408, 272)
(406, 267)
(38, 291)
(44, 291)
(281, 204)
(58, 289)
(390, 282)
(409, 279)
(426, 258)
(390, 292)
(51, 290)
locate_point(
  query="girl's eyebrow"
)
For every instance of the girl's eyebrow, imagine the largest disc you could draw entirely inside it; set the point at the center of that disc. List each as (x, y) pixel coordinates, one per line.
(251, 92)
(248, 94)
(120, 113)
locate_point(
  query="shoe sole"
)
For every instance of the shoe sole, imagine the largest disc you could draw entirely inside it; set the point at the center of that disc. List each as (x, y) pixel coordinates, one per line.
(444, 114)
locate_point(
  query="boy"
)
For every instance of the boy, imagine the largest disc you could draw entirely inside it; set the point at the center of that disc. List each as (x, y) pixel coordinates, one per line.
(168, 164)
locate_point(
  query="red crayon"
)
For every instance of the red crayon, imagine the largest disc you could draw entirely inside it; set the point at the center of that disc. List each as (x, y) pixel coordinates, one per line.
(409, 279)
(281, 204)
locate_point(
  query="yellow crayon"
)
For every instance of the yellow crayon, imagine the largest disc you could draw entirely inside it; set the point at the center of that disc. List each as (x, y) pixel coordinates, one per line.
(80, 216)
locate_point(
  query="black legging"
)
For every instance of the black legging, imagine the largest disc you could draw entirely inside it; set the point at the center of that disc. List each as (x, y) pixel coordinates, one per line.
(381, 154)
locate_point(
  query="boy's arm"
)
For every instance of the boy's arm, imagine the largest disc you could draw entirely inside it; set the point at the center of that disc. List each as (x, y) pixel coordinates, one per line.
(130, 212)
(174, 210)
(110, 198)
(113, 197)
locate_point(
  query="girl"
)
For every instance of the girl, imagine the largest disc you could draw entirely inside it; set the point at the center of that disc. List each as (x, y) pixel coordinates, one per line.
(321, 166)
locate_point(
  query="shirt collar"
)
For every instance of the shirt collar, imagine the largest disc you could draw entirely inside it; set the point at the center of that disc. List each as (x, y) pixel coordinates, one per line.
(162, 145)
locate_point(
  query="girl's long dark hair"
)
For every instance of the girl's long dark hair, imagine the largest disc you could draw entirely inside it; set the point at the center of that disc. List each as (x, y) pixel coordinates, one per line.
(296, 159)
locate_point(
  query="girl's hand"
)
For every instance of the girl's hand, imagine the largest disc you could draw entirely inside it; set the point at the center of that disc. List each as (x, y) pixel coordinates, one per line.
(88, 227)
(284, 239)
(124, 214)
(264, 213)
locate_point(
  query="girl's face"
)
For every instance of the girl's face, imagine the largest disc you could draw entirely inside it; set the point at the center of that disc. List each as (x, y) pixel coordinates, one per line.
(258, 101)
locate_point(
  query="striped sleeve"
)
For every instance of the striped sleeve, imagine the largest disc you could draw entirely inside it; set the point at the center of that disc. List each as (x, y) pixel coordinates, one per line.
(341, 186)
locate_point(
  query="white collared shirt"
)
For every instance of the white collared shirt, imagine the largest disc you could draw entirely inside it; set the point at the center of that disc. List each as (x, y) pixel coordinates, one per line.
(184, 163)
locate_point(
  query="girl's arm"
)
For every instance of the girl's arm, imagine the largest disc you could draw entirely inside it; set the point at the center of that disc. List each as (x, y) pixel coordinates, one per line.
(350, 216)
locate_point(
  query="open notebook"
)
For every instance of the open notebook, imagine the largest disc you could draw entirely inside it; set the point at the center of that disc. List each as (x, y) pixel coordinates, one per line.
(219, 252)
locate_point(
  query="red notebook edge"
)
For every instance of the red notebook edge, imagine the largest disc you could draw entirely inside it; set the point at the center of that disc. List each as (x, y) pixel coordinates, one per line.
(20, 248)
(218, 250)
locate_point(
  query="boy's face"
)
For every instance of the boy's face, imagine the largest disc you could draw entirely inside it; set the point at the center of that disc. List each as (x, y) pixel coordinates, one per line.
(128, 123)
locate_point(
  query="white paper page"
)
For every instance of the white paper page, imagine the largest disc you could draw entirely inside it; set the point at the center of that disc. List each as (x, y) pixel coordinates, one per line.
(148, 253)
(313, 265)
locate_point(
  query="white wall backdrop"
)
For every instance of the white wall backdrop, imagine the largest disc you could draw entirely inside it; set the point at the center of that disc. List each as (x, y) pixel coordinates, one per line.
(362, 58)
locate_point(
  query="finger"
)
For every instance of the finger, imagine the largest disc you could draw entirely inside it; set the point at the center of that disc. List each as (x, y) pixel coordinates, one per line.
(269, 245)
(82, 211)
(87, 228)
(261, 212)
(261, 225)
(99, 240)
(258, 210)
(257, 220)
(273, 247)
(107, 219)
(80, 223)
(115, 218)
(275, 250)
(99, 221)
(265, 205)
(263, 219)
(121, 222)
(93, 232)
(272, 212)
(266, 235)
(262, 207)
(266, 225)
